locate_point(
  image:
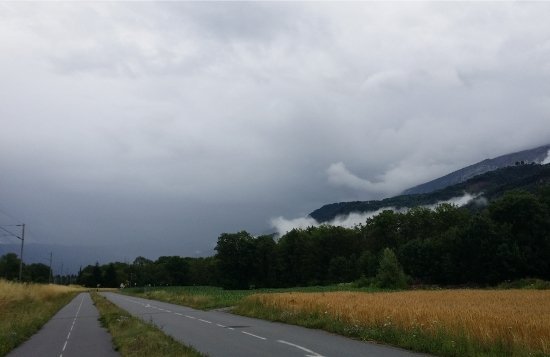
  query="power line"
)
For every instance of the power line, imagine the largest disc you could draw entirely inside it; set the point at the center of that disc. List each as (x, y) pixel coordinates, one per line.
(10, 216)
(11, 233)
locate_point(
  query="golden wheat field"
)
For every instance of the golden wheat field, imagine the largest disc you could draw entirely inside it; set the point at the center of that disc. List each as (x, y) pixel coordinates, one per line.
(11, 292)
(24, 308)
(515, 317)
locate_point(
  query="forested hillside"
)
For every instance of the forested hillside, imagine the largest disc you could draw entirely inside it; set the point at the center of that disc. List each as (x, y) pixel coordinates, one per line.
(490, 185)
(537, 155)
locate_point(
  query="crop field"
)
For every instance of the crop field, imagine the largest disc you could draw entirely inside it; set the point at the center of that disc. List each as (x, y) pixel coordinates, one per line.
(24, 308)
(209, 297)
(445, 322)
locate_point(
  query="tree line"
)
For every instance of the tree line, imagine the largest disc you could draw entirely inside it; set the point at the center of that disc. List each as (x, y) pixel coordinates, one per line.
(508, 239)
(36, 272)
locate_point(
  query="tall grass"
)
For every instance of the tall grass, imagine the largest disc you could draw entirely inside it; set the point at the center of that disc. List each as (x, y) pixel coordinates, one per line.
(24, 308)
(448, 322)
(134, 337)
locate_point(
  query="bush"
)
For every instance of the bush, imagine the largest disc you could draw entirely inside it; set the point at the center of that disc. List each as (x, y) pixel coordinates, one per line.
(536, 284)
(390, 273)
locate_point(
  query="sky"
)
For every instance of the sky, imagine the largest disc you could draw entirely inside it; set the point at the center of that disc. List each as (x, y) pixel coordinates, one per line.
(151, 128)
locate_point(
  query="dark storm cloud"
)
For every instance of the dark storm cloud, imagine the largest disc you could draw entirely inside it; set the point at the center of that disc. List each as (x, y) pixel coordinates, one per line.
(165, 124)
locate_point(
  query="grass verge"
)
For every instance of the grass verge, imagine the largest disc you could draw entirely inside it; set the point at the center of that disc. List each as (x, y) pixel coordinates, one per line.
(445, 323)
(25, 308)
(133, 337)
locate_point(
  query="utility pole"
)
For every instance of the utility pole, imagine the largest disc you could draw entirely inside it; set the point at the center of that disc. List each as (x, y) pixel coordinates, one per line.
(50, 277)
(22, 239)
(21, 254)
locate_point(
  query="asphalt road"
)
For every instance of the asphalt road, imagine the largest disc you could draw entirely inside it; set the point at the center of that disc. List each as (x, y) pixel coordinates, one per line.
(220, 333)
(73, 331)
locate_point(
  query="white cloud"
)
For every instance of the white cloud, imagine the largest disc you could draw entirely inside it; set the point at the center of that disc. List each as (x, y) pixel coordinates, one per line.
(282, 225)
(247, 107)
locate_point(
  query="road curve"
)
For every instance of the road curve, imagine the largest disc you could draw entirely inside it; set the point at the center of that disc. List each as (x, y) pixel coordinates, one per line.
(73, 331)
(218, 333)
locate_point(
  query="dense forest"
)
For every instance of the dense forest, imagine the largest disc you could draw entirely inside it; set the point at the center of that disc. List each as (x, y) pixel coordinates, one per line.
(449, 246)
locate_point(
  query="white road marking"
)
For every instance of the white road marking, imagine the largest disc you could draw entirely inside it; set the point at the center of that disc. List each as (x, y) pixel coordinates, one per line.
(220, 325)
(72, 326)
(177, 313)
(208, 322)
(190, 317)
(168, 311)
(253, 335)
(311, 353)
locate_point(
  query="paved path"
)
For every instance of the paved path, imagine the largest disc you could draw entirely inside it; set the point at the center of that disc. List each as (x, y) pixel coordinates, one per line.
(73, 331)
(219, 333)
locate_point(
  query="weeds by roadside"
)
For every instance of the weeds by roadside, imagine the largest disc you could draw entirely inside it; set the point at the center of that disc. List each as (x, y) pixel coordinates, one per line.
(133, 337)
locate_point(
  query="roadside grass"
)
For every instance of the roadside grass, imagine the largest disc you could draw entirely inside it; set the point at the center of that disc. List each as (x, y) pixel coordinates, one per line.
(445, 322)
(25, 308)
(210, 297)
(133, 337)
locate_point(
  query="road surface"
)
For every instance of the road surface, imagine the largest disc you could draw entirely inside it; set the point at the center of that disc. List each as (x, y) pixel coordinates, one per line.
(218, 333)
(73, 331)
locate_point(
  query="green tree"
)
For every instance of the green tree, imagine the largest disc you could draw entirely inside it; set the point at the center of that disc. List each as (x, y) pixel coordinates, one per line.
(37, 273)
(110, 279)
(235, 256)
(9, 266)
(341, 269)
(367, 264)
(390, 273)
(264, 262)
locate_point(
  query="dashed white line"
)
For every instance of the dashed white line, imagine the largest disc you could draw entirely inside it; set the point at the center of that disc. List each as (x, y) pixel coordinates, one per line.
(311, 353)
(253, 335)
(72, 326)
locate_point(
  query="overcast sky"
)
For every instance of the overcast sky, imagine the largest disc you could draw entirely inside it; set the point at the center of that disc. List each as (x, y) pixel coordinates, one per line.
(161, 125)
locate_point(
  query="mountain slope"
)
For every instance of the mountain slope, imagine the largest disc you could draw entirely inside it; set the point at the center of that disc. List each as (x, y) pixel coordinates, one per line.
(536, 155)
(490, 185)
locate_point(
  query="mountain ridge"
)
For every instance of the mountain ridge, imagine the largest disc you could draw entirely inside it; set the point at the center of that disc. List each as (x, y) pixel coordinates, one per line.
(489, 185)
(536, 155)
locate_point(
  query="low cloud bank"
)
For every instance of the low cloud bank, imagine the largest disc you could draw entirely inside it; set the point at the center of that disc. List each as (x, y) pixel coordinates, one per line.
(283, 225)
(547, 160)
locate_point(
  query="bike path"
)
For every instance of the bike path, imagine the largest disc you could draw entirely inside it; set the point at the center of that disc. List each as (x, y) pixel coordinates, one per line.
(74, 331)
